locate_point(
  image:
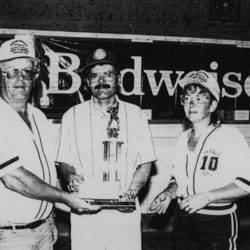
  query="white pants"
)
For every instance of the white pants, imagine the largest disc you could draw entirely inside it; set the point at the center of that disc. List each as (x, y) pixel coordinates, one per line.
(106, 230)
(40, 238)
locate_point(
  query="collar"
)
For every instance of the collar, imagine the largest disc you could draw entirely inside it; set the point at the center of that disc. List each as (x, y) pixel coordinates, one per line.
(94, 106)
(4, 103)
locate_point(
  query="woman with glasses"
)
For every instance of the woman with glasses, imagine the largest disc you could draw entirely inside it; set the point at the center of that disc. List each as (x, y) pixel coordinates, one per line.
(211, 170)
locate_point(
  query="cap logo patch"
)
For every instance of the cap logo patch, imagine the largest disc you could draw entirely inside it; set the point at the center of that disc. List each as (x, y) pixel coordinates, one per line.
(19, 46)
(199, 77)
(99, 54)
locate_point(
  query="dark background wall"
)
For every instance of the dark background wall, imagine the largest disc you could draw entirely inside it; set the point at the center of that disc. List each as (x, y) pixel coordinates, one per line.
(229, 19)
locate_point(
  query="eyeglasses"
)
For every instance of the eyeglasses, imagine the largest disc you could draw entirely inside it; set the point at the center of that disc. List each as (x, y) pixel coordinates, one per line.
(108, 76)
(197, 100)
(12, 73)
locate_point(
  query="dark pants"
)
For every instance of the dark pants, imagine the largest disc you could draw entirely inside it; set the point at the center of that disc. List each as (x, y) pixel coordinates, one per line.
(205, 232)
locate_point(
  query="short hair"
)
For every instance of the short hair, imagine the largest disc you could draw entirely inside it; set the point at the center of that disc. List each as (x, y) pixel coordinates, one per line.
(193, 88)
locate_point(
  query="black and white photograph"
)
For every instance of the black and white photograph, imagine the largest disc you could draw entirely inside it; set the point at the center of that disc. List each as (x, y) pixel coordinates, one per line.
(125, 125)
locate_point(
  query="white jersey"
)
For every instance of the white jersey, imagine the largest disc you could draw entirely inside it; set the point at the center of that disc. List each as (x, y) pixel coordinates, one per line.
(83, 131)
(21, 147)
(221, 157)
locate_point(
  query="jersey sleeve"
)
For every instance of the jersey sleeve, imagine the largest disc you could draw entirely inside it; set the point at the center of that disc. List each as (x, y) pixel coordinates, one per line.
(145, 143)
(239, 160)
(9, 157)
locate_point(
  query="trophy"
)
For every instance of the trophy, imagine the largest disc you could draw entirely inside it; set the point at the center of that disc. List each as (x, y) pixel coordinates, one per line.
(107, 193)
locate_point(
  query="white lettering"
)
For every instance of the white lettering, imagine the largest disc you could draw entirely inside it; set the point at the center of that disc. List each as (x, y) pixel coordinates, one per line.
(55, 69)
(247, 85)
(214, 65)
(56, 58)
(137, 90)
(231, 84)
(165, 78)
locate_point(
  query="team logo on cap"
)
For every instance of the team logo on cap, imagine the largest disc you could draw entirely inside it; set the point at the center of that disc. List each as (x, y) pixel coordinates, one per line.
(99, 54)
(200, 77)
(18, 47)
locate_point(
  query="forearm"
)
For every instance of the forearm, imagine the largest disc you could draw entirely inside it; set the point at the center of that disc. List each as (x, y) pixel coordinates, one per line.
(228, 193)
(171, 190)
(27, 184)
(140, 178)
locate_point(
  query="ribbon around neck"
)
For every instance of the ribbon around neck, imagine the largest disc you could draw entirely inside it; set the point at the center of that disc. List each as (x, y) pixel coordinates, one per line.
(114, 120)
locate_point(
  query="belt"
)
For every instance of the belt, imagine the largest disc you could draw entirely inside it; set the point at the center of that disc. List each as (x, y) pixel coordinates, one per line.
(27, 226)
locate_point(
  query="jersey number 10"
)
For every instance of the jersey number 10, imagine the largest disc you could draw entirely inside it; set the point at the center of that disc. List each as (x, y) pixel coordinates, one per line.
(212, 163)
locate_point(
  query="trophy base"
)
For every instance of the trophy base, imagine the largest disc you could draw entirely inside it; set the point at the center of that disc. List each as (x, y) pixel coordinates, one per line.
(112, 204)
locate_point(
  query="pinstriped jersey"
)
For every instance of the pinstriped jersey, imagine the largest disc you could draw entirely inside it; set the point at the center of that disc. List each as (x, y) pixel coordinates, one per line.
(30, 149)
(221, 157)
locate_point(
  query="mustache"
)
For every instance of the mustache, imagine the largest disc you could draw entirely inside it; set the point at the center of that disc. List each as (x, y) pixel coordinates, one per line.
(105, 86)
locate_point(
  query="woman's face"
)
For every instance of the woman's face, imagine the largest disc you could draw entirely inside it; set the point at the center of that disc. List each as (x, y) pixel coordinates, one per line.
(198, 106)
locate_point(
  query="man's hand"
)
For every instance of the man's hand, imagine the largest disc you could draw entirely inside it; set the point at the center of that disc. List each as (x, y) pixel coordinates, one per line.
(80, 205)
(128, 196)
(194, 202)
(75, 183)
(160, 203)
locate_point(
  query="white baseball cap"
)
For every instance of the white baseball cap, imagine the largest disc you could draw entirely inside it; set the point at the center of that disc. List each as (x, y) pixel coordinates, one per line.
(203, 78)
(20, 46)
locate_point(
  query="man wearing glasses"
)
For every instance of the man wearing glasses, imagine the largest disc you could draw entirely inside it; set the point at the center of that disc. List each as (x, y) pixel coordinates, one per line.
(27, 170)
(106, 141)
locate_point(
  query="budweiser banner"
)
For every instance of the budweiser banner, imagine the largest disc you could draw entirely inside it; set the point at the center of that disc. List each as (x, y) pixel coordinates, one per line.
(150, 73)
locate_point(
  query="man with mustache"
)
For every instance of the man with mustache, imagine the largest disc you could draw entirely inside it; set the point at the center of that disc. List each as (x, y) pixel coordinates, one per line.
(106, 140)
(27, 169)
(104, 86)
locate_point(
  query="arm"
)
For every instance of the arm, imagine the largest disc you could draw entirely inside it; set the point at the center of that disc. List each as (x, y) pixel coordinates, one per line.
(27, 184)
(228, 193)
(139, 180)
(162, 201)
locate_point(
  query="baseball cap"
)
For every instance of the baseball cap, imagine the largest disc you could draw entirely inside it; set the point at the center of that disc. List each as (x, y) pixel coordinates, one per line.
(20, 46)
(203, 78)
(100, 56)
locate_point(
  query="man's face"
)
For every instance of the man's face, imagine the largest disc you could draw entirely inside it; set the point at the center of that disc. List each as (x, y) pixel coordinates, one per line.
(103, 81)
(14, 86)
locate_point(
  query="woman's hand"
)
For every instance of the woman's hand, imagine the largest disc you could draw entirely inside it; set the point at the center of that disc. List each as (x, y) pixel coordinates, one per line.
(194, 202)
